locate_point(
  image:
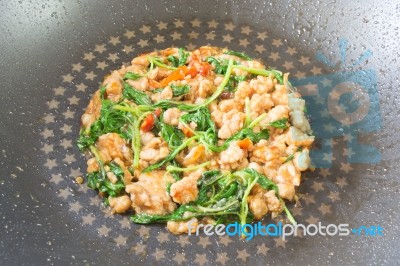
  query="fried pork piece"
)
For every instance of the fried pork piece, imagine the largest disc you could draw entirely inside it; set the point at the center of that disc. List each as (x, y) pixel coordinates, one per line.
(171, 116)
(120, 204)
(297, 137)
(233, 158)
(113, 86)
(185, 190)
(112, 146)
(155, 150)
(232, 122)
(182, 227)
(92, 112)
(149, 194)
(262, 201)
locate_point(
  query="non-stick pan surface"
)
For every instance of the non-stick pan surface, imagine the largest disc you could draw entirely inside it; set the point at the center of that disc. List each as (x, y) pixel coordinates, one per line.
(55, 53)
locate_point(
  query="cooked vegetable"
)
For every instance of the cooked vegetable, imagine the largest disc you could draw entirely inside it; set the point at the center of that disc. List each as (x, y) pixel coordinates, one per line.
(239, 54)
(281, 123)
(111, 120)
(262, 72)
(132, 76)
(222, 196)
(148, 123)
(98, 182)
(187, 138)
(172, 135)
(170, 156)
(180, 60)
(179, 90)
(220, 65)
(135, 95)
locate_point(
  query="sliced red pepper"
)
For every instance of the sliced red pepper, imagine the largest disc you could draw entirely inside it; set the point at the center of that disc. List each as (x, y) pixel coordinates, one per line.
(148, 123)
(157, 112)
(245, 144)
(192, 71)
(204, 69)
(177, 74)
(187, 132)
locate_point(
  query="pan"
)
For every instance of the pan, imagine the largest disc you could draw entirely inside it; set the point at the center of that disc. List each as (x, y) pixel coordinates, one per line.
(342, 57)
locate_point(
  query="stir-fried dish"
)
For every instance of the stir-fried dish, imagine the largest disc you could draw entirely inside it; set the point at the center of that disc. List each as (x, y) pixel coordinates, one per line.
(203, 136)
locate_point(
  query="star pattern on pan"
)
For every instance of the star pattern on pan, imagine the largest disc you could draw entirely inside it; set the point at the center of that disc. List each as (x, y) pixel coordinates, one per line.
(129, 34)
(210, 36)
(127, 49)
(74, 172)
(260, 49)
(64, 193)
(242, 255)
(201, 259)
(113, 57)
(244, 42)
(103, 230)
(159, 38)
(246, 30)
(145, 29)
(222, 258)
(125, 223)
(230, 26)
(195, 23)
(81, 87)
(88, 219)
(100, 48)
(178, 23)
(334, 196)
(279, 242)
(182, 240)
(47, 133)
(179, 258)
(262, 35)
(47, 148)
(212, 24)
(163, 237)
(227, 38)
(77, 67)
(204, 242)
(66, 143)
(56, 179)
(120, 240)
(262, 249)
(159, 254)
(162, 25)
(90, 76)
(50, 163)
(176, 35)
(49, 118)
(143, 43)
(88, 56)
(114, 40)
(225, 240)
(59, 91)
(61, 125)
(193, 35)
(73, 100)
(75, 206)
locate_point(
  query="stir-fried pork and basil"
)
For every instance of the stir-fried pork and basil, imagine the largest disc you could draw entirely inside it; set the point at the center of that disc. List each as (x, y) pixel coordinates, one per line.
(206, 136)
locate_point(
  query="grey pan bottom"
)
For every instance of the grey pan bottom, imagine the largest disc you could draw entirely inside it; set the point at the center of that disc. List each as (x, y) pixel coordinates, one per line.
(52, 59)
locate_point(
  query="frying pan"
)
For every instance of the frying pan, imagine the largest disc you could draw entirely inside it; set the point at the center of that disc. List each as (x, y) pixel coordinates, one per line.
(342, 55)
